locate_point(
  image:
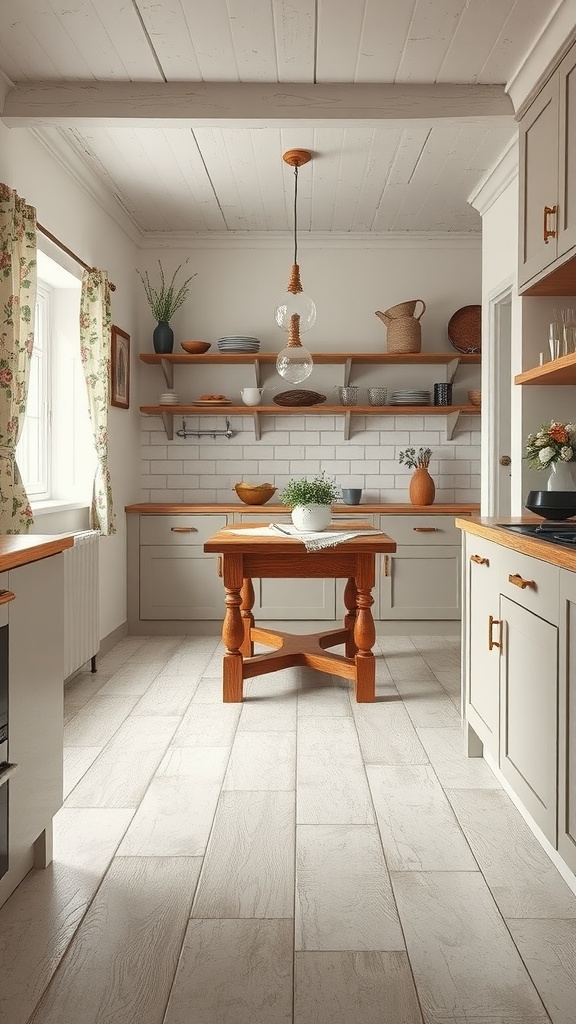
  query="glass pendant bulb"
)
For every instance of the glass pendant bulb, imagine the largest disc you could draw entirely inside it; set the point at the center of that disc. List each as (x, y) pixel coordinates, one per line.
(294, 364)
(299, 304)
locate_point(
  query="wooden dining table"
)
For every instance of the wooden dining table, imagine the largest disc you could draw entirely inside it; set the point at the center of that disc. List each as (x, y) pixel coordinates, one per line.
(246, 556)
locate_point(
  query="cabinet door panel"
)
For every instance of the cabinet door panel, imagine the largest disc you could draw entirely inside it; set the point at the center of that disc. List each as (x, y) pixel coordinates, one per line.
(567, 217)
(421, 584)
(483, 669)
(567, 723)
(179, 583)
(294, 599)
(36, 695)
(529, 707)
(538, 180)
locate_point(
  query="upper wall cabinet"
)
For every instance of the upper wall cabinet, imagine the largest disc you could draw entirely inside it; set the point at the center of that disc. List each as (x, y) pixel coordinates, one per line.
(547, 259)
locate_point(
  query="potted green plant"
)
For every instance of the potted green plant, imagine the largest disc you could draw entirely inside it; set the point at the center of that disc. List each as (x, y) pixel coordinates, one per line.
(422, 490)
(311, 501)
(164, 301)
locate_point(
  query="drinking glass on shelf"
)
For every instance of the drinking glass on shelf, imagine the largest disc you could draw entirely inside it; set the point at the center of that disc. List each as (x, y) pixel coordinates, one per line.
(569, 332)
(554, 339)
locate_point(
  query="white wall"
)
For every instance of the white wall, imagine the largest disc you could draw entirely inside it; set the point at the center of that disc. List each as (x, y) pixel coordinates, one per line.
(66, 209)
(236, 289)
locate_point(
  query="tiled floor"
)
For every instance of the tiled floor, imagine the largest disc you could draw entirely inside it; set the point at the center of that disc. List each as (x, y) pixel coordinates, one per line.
(298, 858)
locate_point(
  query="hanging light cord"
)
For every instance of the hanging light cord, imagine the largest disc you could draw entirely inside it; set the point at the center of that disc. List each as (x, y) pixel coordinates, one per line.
(295, 215)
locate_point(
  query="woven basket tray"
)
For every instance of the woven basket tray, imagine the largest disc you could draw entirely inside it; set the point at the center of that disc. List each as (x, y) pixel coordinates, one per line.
(291, 398)
(464, 329)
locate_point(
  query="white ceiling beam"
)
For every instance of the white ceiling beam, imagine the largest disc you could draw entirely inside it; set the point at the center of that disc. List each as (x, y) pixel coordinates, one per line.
(246, 104)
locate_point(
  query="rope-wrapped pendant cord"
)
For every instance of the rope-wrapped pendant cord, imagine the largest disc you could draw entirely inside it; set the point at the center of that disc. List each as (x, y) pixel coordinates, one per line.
(295, 284)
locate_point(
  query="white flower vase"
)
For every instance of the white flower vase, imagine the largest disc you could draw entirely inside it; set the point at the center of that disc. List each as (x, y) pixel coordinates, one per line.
(311, 517)
(562, 477)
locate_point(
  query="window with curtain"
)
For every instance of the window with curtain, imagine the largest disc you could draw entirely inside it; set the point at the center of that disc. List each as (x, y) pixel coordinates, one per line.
(56, 451)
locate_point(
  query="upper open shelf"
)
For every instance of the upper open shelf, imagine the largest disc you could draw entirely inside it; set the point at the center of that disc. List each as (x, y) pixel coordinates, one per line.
(557, 371)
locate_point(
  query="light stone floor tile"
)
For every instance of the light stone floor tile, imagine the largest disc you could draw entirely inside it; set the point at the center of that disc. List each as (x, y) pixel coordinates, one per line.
(170, 695)
(261, 716)
(234, 972)
(249, 864)
(274, 686)
(77, 761)
(37, 925)
(417, 825)
(428, 704)
(445, 748)
(173, 820)
(208, 725)
(466, 967)
(157, 648)
(387, 735)
(122, 960)
(405, 665)
(262, 760)
(206, 764)
(82, 687)
(354, 988)
(132, 680)
(121, 773)
(209, 690)
(331, 782)
(326, 695)
(548, 948)
(343, 895)
(97, 721)
(451, 682)
(522, 879)
(120, 654)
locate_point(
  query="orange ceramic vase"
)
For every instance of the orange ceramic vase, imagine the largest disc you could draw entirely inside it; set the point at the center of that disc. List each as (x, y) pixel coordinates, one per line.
(422, 489)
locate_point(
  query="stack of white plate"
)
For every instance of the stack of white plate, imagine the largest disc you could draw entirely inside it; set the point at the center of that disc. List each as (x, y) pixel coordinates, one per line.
(410, 397)
(238, 343)
(169, 398)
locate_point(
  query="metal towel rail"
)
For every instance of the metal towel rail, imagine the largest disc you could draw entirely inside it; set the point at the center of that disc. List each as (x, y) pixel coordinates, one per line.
(228, 432)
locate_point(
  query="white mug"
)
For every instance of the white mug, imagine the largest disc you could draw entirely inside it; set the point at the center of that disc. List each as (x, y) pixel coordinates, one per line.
(251, 396)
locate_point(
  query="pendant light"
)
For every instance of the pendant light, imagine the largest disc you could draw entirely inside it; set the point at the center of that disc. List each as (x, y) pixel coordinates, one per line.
(295, 312)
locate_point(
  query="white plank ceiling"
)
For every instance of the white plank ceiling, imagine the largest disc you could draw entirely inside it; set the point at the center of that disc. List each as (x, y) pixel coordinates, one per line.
(177, 160)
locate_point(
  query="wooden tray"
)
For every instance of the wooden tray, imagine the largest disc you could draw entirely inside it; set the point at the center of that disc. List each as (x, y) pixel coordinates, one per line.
(292, 398)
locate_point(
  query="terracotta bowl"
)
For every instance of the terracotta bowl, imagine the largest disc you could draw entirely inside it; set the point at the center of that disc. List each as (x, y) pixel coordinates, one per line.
(254, 494)
(195, 348)
(475, 397)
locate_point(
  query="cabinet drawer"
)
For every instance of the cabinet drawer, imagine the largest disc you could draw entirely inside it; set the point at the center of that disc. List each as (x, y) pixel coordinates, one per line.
(180, 529)
(421, 530)
(541, 595)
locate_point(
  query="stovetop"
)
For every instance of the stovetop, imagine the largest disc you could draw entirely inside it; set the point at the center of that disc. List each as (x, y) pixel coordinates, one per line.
(561, 533)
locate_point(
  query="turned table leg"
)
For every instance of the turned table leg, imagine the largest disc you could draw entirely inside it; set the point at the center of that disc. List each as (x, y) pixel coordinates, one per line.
(232, 631)
(246, 607)
(364, 632)
(350, 601)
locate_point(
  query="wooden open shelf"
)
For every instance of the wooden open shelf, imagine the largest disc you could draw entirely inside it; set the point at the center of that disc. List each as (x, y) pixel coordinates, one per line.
(557, 371)
(452, 413)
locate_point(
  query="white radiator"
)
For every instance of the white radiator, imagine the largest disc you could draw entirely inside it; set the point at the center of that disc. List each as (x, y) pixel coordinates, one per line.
(81, 601)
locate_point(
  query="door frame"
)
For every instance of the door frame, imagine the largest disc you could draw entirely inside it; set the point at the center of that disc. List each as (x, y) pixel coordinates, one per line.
(496, 385)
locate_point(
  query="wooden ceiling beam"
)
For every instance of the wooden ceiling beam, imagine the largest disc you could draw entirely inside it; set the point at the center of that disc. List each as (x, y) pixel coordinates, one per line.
(233, 104)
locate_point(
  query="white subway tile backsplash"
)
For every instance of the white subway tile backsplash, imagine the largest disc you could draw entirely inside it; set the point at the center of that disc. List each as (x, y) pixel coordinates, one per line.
(205, 469)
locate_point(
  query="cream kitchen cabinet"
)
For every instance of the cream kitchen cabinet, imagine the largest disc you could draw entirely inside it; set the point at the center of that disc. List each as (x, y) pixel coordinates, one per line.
(567, 721)
(548, 182)
(35, 702)
(421, 580)
(482, 650)
(510, 659)
(177, 580)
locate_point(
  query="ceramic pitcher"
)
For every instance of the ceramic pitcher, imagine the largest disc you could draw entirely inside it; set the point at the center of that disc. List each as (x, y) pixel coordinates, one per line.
(251, 396)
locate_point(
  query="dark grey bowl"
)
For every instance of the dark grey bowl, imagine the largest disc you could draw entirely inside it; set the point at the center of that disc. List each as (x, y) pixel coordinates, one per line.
(552, 504)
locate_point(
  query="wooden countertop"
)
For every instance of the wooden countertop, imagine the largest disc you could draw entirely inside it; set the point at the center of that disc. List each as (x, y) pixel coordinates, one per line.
(482, 526)
(363, 508)
(22, 548)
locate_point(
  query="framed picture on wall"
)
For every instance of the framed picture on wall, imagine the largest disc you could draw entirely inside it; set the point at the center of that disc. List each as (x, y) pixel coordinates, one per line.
(120, 368)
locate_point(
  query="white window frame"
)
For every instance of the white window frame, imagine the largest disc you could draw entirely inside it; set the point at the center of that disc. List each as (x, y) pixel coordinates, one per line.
(39, 389)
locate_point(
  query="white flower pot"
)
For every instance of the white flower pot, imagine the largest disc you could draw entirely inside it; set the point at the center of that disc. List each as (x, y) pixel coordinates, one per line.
(311, 517)
(562, 476)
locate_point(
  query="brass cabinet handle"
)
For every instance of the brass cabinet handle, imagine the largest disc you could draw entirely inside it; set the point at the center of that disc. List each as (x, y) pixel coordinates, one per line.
(479, 560)
(6, 596)
(426, 529)
(549, 211)
(220, 566)
(183, 529)
(491, 641)
(518, 581)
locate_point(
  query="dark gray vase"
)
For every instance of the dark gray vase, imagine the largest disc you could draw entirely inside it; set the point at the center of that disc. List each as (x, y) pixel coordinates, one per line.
(163, 338)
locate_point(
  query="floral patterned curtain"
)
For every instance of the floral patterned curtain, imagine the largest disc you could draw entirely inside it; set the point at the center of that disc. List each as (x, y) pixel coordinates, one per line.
(95, 320)
(17, 312)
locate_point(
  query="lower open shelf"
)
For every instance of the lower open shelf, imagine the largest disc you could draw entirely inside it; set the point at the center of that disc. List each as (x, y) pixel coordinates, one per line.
(451, 413)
